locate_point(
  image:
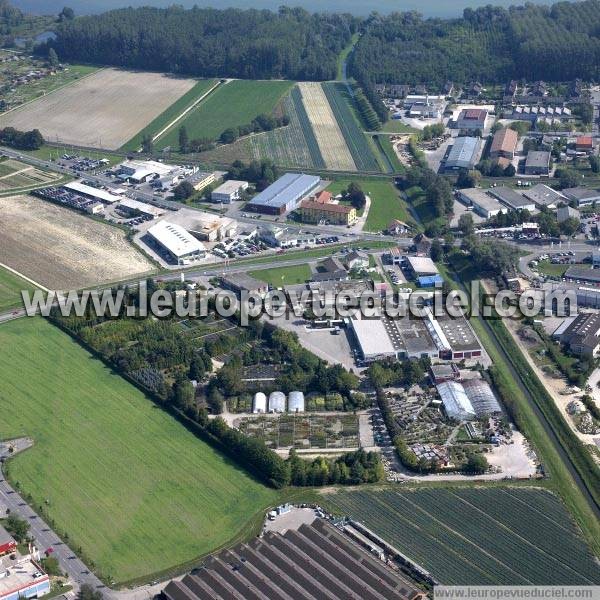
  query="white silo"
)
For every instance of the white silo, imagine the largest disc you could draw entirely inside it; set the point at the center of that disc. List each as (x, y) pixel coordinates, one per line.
(296, 402)
(277, 402)
(259, 404)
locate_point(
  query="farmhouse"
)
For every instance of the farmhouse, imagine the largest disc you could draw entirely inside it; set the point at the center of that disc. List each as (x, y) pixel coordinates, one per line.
(513, 200)
(472, 119)
(483, 204)
(504, 143)
(464, 154)
(284, 195)
(537, 163)
(229, 191)
(543, 195)
(22, 579)
(176, 242)
(582, 196)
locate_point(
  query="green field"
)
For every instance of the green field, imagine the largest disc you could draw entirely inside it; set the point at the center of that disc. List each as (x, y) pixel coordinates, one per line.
(10, 290)
(171, 113)
(547, 268)
(281, 276)
(236, 103)
(396, 126)
(477, 536)
(136, 490)
(386, 203)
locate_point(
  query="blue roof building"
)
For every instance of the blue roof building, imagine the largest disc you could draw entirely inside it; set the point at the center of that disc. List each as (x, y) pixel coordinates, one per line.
(284, 195)
(430, 281)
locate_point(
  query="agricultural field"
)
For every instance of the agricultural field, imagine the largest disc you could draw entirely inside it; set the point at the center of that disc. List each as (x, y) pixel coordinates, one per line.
(103, 110)
(169, 116)
(477, 536)
(303, 431)
(359, 146)
(327, 128)
(15, 175)
(236, 103)
(63, 249)
(116, 473)
(281, 276)
(10, 290)
(294, 146)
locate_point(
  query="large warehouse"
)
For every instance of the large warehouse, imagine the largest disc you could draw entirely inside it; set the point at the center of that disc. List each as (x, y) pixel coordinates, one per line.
(87, 191)
(176, 242)
(464, 154)
(284, 195)
(481, 202)
(372, 339)
(229, 191)
(24, 579)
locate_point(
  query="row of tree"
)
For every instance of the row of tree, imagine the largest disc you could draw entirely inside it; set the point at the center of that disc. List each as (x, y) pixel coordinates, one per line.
(21, 140)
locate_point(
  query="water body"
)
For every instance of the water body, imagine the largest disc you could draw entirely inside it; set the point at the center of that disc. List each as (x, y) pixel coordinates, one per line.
(429, 8)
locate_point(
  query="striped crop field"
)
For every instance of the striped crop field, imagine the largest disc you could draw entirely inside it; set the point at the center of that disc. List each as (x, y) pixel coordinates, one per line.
(477, 536)
(326, 127)
(360, 148)
(293, 146)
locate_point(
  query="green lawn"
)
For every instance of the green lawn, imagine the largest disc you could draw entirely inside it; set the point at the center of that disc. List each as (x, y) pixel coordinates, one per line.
(171, 113)
(236, 103)
(547, 268)
(136, 490)
(396, 126)
(281, 276)
(10, 290)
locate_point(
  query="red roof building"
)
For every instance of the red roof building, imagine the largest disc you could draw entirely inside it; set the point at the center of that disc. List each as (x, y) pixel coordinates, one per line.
(585, 143)
(7, 543)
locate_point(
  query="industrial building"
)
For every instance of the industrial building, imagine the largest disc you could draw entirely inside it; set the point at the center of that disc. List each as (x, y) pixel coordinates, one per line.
(141, 171)
(472, 119)
(22, 578)
(456, 402)
(135, 207)
(284, 195)
(259, 403)
(583, 274)
(174, 241)
(315, 561)
(242, 282)
(296, 402)
(200, 180)
(566, 212)
(63, 196)
(537, 163)
(582, 196)
(421, 266)
(504, 143)
(207, 227)
(7, 543)
(453, 336)
(92, 193)
(277, 402)
(582, 335)
(513, 200)
(229, 191)
(464, 154)
(372, 339)
(445, 372)
(542, 195)
(483, 204)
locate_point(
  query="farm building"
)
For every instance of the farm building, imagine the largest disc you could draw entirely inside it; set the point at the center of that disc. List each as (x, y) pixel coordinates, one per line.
(176, 242)
(296, 402)
(455, 400)
(421, 266)
(229, 191)
(135, 207)
(284, 195)
(483, 204)
(482, 397)
(277, 402)
(464, 154)
(312, 211)
(23, 579)
(92, 193)
(504, 143)
(582, 196)
(7, 543)
(513, 200)
(472, 119)
(310, 562)
(537, 163)
(543, 195)
(259, 403)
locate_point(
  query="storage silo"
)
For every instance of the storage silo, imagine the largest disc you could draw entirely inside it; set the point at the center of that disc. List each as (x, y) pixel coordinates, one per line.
(277, 402)
(259, 404)
(296, 402)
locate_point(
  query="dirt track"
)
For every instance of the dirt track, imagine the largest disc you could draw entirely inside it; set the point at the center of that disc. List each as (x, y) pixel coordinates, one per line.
(62, 249)
(104, 110)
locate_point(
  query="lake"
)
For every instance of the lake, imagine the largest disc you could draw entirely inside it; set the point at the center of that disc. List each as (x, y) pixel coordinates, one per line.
(437, 8)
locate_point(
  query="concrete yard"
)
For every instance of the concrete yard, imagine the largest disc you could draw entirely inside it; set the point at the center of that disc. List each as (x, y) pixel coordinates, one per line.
(104, 110)
(62, 249)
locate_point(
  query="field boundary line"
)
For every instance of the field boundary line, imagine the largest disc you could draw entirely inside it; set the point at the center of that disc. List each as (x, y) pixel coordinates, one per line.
(24, 277)
(186, 111)
(61, 87)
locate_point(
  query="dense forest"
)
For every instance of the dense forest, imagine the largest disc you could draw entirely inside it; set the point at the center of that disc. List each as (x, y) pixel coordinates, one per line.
(250, 44)
(490, 44)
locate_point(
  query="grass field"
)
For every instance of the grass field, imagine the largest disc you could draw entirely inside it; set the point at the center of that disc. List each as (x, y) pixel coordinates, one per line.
(164, 119)
(547, 268)
(281, 276)
(131, 486)
(396, 126)
(236, 103)
(10, 290)
(477, 536)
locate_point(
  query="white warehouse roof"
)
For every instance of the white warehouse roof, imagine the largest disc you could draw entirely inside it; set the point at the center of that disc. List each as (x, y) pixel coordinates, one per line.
(422, 265)
(456, 402)
(372, 337)
(277, 402)
(87, 190)
(175, 239)
(296, 402)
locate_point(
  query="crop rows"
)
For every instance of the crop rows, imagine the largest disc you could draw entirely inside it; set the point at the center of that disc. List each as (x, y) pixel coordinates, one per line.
(355, 138)
(476, 536)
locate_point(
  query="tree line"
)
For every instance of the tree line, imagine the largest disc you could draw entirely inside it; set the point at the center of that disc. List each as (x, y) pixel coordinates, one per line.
(21, 140)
